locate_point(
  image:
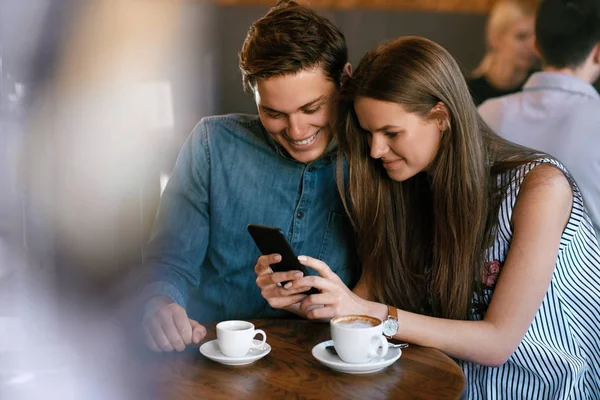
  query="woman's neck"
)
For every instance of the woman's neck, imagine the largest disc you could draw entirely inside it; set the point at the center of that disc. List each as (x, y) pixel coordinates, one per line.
(505, 76)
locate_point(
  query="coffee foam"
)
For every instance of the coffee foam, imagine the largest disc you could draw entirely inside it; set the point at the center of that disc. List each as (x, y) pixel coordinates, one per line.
(357, 321)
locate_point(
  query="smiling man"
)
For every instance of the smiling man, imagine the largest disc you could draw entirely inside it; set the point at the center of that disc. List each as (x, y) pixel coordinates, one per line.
(277, 168)
(301, 131)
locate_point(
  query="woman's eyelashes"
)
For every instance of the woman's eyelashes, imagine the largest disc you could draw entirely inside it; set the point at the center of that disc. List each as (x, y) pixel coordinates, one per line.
(388, 134)
(312, 111)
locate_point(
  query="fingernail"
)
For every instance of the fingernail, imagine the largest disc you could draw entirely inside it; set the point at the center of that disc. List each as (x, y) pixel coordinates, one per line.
(302, 258)
(288, 285)
(277, 258)
(298, 275)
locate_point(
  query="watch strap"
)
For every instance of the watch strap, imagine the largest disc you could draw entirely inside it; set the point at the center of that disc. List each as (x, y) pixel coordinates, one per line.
(390, 325)
(393, 312)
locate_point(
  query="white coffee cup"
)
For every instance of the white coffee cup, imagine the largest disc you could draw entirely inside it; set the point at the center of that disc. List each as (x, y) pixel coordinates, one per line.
(236, 337)
(357, 338)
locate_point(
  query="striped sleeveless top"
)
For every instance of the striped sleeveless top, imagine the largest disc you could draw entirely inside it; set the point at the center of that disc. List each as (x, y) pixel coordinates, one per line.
(559, 356)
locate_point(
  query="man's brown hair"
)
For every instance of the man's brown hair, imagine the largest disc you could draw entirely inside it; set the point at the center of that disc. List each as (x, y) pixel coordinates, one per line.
(288, 39)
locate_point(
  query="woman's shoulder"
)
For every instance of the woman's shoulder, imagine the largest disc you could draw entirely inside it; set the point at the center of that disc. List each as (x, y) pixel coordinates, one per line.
(543, 170)
(546, 182)
(546, 173)
(541, 182)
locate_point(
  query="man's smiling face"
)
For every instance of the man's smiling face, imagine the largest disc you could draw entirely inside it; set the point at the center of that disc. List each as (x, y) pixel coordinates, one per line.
(295, 110)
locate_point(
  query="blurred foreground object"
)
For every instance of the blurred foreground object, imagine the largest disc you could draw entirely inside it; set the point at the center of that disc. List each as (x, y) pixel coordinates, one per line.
(79, 149)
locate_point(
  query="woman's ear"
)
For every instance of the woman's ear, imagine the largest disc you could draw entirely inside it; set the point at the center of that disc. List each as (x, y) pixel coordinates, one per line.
(492, 41)
(346, 73)
(442, 116)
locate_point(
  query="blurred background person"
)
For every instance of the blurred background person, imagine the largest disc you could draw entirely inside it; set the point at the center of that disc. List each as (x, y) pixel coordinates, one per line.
(558, 110)
(510, 55)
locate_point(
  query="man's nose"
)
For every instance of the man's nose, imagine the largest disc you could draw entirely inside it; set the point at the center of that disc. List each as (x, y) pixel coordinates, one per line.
(297, 127)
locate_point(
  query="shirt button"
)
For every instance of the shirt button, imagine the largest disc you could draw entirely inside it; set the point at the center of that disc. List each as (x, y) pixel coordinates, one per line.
(299, 215)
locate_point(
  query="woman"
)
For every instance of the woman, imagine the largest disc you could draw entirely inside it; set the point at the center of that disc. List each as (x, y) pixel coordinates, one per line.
(482, 247)
(510, 55)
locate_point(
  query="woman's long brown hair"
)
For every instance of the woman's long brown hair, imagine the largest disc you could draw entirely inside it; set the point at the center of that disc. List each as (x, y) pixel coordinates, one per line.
(422, 241)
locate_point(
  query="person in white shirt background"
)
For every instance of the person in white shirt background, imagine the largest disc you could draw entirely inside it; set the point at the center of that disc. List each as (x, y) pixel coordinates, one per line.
(558, 110)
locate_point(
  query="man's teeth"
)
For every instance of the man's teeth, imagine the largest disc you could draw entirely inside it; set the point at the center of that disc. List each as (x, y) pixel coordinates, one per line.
(305, 141)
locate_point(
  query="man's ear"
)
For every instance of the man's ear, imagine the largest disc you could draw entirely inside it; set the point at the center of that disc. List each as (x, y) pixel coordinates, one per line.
(346, 73)
(536, 47)
(596, 54)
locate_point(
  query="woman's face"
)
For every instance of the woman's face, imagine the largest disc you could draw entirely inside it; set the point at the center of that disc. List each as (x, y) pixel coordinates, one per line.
(406, 143)
(517, 44)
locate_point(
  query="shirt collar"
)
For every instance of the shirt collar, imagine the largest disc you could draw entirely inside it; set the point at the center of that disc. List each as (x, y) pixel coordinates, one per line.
(561, 82)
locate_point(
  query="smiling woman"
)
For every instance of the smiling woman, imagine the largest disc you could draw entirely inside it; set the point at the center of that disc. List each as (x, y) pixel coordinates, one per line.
(468, 235)
(406, 144)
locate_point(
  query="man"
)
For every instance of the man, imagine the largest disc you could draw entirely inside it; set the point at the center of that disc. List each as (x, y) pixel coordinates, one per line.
(277, 168)
(558, 110)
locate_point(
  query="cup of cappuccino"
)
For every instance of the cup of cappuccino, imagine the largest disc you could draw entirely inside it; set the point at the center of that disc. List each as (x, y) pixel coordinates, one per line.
(236, 337)
(358, 338)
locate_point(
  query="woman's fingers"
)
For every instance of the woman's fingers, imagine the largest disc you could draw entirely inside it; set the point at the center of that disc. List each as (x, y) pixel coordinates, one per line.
(321, 313)
(282, 302)
(321, 267)
(313, 281)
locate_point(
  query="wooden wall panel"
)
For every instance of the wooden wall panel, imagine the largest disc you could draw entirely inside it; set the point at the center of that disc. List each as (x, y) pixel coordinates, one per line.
(459, 6)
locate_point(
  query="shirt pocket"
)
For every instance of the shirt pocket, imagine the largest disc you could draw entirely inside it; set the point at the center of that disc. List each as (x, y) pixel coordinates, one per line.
(338, 248)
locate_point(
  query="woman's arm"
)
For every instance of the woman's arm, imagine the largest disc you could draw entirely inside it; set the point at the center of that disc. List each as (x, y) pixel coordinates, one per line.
(540, 214)
(539, 217)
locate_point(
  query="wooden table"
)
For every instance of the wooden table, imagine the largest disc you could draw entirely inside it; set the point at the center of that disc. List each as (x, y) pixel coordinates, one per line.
(290, 371)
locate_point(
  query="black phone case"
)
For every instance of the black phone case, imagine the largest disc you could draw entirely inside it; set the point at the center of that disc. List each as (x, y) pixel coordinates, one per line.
(271, 240)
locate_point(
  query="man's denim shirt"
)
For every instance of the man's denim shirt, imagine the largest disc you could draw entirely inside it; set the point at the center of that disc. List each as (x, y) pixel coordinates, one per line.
(231, 173)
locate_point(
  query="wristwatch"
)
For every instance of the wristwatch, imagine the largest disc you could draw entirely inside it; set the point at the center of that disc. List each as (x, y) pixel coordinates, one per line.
(390, 325)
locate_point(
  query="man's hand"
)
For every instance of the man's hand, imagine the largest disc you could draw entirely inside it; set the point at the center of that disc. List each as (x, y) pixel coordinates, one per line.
(268, 282)
(167, 327)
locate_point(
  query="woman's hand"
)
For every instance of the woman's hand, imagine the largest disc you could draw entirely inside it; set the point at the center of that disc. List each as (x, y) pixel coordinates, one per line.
(268, 282)
(335, 298)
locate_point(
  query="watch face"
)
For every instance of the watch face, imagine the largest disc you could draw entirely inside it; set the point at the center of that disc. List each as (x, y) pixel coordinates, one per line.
(390, 327)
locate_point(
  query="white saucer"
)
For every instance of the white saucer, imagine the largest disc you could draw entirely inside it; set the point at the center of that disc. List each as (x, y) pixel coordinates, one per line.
(211, 350)
(333, 361)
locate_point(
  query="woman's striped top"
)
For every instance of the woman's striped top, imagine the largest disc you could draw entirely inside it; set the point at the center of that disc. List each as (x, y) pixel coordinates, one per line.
(559, 357)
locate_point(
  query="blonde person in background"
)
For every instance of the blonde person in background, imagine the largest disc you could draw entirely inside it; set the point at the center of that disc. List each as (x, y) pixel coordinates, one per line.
(510, 55)
(557, 110)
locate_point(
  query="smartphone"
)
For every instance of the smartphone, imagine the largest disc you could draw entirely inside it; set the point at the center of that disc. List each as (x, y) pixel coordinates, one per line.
(271, 240)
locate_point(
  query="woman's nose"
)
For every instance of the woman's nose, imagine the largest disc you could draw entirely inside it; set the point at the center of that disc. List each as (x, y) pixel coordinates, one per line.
(378, 146)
